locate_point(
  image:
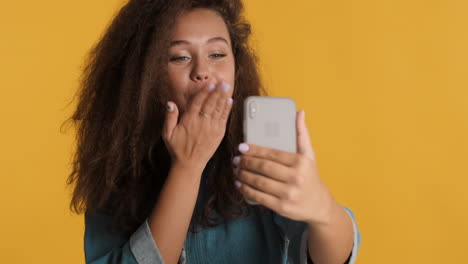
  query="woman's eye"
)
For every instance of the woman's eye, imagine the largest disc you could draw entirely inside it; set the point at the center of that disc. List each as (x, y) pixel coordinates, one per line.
(217, 55)
(179, 59)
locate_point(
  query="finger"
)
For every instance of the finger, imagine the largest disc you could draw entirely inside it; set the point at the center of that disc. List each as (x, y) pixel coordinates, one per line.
(303, 139)
(170, 122)
(262, 198)
(222, 101)
(265, 167)
(227, 110)
(280, 156)
(210, 103)
(263, 184)
(196, 104)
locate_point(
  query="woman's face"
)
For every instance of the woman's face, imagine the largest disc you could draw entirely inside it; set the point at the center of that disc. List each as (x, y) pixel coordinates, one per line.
(200, 54)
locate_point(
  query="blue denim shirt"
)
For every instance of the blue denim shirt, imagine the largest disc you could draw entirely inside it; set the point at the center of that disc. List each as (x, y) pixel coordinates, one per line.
(262, 237)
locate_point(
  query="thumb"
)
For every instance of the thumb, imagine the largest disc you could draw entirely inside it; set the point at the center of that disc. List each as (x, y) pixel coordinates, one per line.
(170, 123)
(303, 140)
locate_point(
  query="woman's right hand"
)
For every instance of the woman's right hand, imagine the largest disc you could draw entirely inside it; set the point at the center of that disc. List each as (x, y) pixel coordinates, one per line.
(194, 139)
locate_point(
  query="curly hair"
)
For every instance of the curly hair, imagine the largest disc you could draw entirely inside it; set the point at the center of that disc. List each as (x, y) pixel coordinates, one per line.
(121, 162)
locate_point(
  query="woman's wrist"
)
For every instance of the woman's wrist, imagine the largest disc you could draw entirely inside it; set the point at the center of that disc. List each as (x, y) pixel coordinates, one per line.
(328, 210)
(188, 167)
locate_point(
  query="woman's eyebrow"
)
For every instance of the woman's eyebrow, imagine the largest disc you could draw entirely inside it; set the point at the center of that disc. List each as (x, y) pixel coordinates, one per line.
(179, 42)
(186, 42)
(217, 39)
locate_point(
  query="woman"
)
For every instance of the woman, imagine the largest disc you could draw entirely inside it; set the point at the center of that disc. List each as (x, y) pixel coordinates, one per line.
(161, 171)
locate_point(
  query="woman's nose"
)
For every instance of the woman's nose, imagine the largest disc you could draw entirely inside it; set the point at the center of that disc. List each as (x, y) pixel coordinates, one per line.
(200, 72)
(201, 76)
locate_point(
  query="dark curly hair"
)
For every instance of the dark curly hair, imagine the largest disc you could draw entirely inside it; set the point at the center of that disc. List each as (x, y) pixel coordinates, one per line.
(121, 162)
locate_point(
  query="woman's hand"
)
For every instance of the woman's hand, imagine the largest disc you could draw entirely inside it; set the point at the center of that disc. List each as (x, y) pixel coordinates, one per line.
(193, 139)
(286, 182)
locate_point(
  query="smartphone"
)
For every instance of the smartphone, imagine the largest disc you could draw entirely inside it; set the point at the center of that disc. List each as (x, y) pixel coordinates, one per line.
(270, 122)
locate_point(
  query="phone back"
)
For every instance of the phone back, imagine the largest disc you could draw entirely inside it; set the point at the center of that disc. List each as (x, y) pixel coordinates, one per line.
(270, 122)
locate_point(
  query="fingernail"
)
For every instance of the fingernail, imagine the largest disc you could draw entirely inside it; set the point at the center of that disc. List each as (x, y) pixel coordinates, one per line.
(237, 183)
(229, 101)
(211, 87)
(243, 147)
(225, 86)
(170, 107)
(236, 160)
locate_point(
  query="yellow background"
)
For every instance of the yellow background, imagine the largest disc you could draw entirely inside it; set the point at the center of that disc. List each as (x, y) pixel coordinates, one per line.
(385, 89)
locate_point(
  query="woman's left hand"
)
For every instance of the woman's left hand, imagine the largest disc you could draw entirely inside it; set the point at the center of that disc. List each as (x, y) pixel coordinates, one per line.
(286, 182)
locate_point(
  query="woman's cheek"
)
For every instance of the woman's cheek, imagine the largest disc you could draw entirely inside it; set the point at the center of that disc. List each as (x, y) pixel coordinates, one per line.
(226, 72)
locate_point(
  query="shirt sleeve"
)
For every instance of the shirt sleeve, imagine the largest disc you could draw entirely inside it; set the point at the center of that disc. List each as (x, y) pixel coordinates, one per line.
(357, 241)
(103, 247)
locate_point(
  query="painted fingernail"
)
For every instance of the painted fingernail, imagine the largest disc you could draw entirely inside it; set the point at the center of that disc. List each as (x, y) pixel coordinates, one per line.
(236, 160)
(229, 101)
(225, 87)
(243, 147)
(170, 107)
(211, 87)
(237, 183)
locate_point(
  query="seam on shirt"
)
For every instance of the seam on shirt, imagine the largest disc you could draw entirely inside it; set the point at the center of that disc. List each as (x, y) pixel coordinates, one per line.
(304, 250)
(144, 247)
(182, 257)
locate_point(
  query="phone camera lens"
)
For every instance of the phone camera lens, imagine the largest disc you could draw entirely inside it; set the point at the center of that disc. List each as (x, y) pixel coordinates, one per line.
(253, 109)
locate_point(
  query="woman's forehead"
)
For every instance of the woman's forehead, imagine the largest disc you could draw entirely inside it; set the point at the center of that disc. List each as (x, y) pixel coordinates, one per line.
(200, 23)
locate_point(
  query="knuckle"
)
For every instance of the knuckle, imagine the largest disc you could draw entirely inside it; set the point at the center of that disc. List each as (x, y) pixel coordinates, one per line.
(198, 98)
(296, 180)
(298, 161)
(196, 102)
(263, 166)
(222, 94)
(271, 154)
(215, 96)
(257, 183)
(260, 184)
(219, 103)
(209, 104)
(288, 194)
(199, 95)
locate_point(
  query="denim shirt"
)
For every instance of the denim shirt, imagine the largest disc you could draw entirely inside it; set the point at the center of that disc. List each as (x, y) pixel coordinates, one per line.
(262, 237)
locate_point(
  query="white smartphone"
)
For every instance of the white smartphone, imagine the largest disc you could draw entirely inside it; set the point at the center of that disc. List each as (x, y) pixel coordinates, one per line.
(270, 122)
